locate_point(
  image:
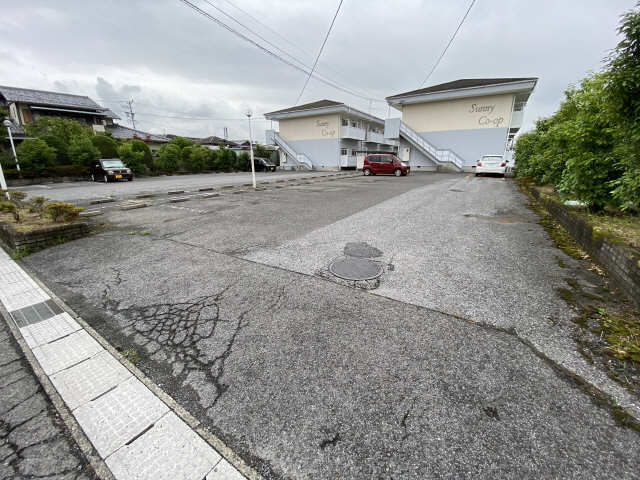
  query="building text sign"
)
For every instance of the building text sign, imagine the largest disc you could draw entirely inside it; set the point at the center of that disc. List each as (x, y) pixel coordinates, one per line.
(325, 129)
(486, 119)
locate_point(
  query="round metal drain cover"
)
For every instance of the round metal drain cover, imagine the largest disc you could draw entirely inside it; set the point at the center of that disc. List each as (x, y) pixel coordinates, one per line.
(354, 268)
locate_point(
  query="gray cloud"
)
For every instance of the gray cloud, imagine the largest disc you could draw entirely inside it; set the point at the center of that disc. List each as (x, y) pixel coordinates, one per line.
(174, 63)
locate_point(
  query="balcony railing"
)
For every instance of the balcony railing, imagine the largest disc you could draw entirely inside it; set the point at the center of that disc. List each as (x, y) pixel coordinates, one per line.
(348, 161)
(352, 132)
(375, 137)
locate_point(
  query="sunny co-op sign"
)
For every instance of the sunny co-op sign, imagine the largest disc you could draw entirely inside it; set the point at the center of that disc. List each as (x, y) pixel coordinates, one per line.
(486, 119)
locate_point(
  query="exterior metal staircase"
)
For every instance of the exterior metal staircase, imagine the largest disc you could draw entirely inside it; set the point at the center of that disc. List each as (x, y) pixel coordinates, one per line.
(396, 128)
(301, 159)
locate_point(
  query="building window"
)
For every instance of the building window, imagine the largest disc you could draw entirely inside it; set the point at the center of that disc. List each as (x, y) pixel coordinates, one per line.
(353, 152)
(354, 124)
(343, 151)
(345, 122)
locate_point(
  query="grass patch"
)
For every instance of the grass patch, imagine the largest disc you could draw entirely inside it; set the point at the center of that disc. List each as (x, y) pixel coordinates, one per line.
(21, 253)
(131, 355)
(622, 335)
(618, 226)
(623, 228)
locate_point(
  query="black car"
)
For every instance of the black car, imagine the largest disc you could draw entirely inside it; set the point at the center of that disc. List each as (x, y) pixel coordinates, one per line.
(108, 169)
(261, 165)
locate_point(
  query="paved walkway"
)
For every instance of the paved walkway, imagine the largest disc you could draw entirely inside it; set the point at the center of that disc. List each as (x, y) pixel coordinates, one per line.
(134, 432)
(33, 440)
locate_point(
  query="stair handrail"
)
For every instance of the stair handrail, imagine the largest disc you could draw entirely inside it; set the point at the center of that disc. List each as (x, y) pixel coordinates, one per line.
(440, 155)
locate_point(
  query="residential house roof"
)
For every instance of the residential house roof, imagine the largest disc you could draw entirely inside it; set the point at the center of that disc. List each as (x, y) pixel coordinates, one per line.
(120, 131)
(52, 99)
(321, 107)
(462, 83)
(214, 140)
(307, 106)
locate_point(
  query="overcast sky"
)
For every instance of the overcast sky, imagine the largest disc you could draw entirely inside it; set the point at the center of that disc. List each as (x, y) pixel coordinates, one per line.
(175, 63)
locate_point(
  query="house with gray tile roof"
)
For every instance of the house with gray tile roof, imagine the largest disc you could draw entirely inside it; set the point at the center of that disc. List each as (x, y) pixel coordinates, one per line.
(27, 105)
(125, 133)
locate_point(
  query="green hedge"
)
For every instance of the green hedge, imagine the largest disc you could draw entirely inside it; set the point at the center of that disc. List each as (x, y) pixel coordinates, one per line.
(56, 171)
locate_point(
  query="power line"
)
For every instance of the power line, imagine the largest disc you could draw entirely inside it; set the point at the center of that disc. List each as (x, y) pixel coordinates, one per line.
(289, 42)
(295, 59)
(149, 114)
(326, 37)
(269, 52)
(448, 44)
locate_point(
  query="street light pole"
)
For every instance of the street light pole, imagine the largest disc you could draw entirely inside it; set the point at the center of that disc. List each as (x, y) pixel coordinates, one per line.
(253, 168)
(7, 123)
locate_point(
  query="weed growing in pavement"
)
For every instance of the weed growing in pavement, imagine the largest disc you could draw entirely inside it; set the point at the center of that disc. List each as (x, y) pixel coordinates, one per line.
(21, 253)
(131, 355)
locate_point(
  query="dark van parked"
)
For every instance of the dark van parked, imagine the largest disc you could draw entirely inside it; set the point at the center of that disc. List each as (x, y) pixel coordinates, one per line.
(381, 163)
(110, 169)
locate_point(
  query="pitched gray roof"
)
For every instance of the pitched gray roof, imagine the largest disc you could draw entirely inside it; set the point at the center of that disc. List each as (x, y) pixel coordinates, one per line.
(462, 83)
(307, 106)
(119, 131)
(41, 97)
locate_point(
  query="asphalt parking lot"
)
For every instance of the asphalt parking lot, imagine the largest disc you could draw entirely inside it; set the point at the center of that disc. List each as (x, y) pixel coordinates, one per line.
(443, 368)
(79, 192)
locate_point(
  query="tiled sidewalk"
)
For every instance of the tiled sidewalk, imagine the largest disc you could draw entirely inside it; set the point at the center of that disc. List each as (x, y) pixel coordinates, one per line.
(134, 432)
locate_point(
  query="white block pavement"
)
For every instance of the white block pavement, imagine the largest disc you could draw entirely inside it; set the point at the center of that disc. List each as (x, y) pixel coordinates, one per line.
(135, 433)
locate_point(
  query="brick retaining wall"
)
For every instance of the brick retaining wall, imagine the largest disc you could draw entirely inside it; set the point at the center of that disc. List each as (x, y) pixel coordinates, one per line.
(621, 262)
(42, 238)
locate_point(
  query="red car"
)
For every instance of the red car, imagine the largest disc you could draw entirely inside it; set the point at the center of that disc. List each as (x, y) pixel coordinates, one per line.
(376, 163)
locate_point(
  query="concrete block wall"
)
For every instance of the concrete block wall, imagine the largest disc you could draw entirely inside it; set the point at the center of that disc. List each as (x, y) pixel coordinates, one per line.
(621, 262)
(42, 238)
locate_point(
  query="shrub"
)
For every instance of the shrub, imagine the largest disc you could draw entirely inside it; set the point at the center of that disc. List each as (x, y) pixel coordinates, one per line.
(36, 205)
(197, 158)
(6, 159)
(131, 158)
(168, 158)
(66, 171)
(181, 142)
(212, 159)
(106, 145)
(61, 211)
(58, 133)
(81, 151)
(34, 153)
(140, 146)
(8, 207)
(242, 162)
(590, 148)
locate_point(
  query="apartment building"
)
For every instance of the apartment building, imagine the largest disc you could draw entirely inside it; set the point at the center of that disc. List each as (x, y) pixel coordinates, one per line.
(442, 127)
(326, 135)
(451, 125)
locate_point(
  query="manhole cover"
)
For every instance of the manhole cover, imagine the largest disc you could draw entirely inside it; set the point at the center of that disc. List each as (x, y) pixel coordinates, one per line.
(354, 268)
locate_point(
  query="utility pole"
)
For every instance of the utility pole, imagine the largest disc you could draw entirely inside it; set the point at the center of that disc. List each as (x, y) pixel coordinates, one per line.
(7, 123)
(253, 168)
(130, 114)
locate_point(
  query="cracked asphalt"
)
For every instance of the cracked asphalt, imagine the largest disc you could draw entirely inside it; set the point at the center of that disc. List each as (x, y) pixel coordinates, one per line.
(229, 306)
(34, 442)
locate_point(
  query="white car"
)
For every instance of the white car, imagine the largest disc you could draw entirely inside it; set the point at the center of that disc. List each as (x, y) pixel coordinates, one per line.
(491, 164)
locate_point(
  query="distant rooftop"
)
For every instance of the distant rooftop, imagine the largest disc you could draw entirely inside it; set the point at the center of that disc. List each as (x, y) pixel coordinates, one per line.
(307, 106)
(463, 83)
(120, 131)
(319, 107)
